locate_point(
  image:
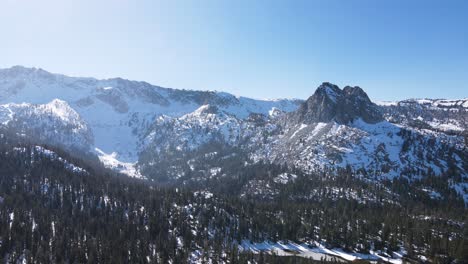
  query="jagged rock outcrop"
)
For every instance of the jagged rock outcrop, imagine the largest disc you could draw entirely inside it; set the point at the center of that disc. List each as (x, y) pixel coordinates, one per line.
(330, 103)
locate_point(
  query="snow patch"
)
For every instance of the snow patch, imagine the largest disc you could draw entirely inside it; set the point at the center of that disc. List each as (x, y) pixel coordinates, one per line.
(111, 161)
(316, 251)
(284, 178)
(299, 129)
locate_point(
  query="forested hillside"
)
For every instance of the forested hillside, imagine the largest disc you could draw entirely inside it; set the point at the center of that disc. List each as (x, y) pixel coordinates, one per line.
(55, 208)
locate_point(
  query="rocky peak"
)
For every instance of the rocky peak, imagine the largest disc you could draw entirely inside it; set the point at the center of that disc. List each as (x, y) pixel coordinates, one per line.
(330, 103)
(356, 91)
(328, 91)
(62, 110)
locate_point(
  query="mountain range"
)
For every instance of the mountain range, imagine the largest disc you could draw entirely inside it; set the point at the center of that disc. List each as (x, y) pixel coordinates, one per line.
(94, 169)
(147, 131)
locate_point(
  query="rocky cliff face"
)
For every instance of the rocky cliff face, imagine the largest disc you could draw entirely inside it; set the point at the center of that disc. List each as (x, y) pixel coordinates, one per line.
(330, 103)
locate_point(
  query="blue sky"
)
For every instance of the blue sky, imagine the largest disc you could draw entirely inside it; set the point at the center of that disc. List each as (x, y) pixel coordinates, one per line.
(263, 49)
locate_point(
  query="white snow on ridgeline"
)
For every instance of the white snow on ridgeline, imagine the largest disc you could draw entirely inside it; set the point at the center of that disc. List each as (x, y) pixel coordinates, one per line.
(435, 103)
(61, 109)
(57, 108)
(386, 103)
(451, 103)
(423, 101)
(201, 110)
(244, 106)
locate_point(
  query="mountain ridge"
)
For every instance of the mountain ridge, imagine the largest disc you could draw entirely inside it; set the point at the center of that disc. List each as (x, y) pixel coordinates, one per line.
(117, 106)
(134, 127)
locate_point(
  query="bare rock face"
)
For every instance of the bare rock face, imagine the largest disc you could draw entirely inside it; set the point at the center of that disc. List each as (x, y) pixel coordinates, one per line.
(330, 103)
(357, 104)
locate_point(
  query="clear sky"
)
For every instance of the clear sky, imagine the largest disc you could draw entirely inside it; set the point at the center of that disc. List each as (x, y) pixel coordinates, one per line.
(258, 48)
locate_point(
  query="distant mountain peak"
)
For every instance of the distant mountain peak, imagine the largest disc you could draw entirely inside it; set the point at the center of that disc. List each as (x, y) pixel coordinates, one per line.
(330, 103)
(21, 70)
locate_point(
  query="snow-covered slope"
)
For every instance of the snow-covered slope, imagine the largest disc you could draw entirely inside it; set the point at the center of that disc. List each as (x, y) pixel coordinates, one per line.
(114, 113)
(53, 123)
(435, 114)
(333, 129)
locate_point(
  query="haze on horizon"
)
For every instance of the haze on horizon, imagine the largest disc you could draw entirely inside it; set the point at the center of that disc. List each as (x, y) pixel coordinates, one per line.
(263, 49)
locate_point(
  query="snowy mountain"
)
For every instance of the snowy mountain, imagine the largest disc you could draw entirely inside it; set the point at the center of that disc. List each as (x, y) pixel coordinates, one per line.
(342, 128)
(54, 123)
(334, 129)
(145, 130)
(110, 115)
